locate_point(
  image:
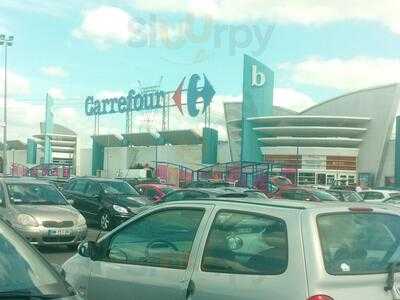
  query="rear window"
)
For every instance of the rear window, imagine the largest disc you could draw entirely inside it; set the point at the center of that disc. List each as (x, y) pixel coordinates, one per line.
(359, 243)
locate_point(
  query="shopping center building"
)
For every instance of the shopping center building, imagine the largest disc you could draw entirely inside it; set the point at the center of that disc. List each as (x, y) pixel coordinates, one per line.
(349, 137)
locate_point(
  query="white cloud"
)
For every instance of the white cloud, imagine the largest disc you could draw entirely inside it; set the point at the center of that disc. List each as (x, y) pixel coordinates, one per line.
(106, 25)
(16, 84)
(345, 74)
(292, 99)
(54, 71)
(56, 93)
(296, 11)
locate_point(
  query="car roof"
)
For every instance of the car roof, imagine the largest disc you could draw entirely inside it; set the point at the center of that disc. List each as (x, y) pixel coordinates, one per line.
(286, 204)
(30, 180)
(382, 191)
(303, 188)
(98, 179)
(156, 185)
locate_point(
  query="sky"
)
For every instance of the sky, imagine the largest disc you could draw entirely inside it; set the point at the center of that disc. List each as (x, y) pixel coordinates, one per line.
(74, 49)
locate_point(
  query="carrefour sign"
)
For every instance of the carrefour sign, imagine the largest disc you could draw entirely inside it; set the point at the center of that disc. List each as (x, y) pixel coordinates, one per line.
(154, 99)
(132, 102)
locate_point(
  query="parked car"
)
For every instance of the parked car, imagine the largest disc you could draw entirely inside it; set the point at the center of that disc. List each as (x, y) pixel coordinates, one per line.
(305, 194)
(38, 211)
(198, 249)
(346, 196)
(104, 202)
(378, 196)
(207, 184)
(278, 184)
(154, 192)
(232, 192)
(393, 201)
(25, 274)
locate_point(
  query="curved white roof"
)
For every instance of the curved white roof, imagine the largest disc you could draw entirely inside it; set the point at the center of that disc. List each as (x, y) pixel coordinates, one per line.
(310, 131)
(309, 120)
(311, 142)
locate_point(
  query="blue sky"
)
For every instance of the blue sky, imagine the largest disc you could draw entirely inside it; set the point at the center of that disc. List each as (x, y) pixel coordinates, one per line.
(73, 49)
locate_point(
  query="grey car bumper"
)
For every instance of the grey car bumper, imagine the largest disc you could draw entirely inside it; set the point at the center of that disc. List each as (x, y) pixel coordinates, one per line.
(43, 236)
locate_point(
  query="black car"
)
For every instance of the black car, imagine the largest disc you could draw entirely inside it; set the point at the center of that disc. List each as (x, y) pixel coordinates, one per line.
(106, 202)
(207, 184)
(307, 194)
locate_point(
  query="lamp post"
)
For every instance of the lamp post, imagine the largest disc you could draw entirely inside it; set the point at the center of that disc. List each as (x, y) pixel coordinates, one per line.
(6, 41)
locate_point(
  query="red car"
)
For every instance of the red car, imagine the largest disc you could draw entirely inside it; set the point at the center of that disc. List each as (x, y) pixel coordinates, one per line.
(154, 191)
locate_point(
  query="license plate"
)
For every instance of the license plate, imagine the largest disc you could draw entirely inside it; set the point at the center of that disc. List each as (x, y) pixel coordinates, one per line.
(59, 232)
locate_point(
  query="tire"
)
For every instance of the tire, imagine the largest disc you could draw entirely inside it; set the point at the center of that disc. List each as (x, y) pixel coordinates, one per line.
(105, 221)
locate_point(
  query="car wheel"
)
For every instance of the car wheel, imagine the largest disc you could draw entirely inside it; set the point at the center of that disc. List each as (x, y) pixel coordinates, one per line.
(105, 221)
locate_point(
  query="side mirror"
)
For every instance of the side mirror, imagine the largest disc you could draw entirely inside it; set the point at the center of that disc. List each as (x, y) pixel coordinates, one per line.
(87, 249)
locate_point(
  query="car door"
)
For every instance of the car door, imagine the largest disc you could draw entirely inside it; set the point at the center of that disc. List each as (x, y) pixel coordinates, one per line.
(151, 257)
(5, 212)
(76, 193)
(91, 202)
(250, 254)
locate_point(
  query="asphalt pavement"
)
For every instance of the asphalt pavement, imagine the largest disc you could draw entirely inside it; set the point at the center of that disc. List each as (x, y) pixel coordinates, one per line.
(59, 255)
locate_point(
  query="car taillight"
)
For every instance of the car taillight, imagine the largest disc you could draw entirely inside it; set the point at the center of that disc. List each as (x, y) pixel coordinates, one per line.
(320, 297)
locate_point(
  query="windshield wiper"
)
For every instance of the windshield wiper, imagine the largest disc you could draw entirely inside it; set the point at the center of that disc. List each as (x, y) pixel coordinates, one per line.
(392, 267)
(26, 294)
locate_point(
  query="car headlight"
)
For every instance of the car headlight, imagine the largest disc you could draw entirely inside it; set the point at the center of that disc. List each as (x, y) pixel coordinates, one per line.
(81, 220)
(120, 209)
(27, 220)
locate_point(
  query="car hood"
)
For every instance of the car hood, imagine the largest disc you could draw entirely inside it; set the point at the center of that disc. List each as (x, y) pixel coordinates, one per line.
(130, 201)
(56, 213)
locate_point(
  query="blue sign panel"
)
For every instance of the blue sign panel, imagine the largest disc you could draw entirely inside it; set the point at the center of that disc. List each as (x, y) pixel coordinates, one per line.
(207, 93)
(258, 85)
(48, 127)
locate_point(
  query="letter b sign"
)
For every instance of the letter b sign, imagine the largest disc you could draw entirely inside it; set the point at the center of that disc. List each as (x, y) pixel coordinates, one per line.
(258, 79)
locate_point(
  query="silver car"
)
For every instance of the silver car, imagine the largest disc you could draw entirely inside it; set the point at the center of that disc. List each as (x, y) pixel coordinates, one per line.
(24, 274)
(235, 249)
(40, 213)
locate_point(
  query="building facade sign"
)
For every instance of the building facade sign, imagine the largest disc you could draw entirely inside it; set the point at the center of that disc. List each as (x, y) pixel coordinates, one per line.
(132, 102)
(152, 100)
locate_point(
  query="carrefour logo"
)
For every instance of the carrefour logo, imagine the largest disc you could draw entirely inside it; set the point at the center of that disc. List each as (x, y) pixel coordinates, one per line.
(154, 99)
(194, 93)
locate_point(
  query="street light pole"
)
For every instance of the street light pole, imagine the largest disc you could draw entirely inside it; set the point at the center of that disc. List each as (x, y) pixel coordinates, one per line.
(6, 42)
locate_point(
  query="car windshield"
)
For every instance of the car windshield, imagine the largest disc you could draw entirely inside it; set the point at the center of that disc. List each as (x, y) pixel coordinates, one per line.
(359, 243)
(352, 197)
(118, 187)
(255, 194)
(346, 196)
(35, 194)
(324, 196)
(21, 268)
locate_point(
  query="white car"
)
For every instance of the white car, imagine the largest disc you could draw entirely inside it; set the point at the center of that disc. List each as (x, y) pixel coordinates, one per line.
(378, 196)
(236, 249)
